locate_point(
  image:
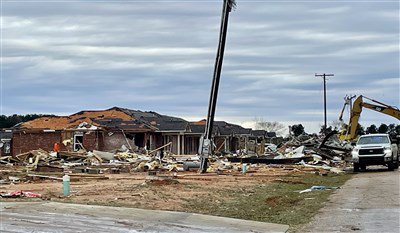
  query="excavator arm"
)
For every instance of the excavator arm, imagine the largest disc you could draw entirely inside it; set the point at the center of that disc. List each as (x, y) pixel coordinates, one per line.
(350, 131)
(358, 105)
(347, 102)
(385, 110)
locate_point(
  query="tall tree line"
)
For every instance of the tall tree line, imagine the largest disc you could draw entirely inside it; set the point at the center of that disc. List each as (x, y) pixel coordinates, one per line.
(10, 121)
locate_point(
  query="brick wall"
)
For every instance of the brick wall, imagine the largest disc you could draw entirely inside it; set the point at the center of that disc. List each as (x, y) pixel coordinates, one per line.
(90, 141)
(24, 142)
(114, 141)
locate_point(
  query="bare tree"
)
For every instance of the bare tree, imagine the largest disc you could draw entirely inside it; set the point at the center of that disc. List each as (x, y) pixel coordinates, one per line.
(269, 126)
(298, 130)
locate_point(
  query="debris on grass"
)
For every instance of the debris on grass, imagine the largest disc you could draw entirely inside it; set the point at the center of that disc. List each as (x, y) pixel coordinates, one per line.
(319, 187)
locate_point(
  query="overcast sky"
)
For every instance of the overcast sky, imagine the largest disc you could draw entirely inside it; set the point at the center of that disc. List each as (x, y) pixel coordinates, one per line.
(61, 57)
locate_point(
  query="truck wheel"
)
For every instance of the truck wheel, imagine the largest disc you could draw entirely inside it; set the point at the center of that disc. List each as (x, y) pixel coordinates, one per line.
(391, 166)
(363, 167)
(356, 167)
(396, 165)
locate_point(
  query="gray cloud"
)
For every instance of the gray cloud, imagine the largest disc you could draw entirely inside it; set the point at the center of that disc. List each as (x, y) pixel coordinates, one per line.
(62, 57)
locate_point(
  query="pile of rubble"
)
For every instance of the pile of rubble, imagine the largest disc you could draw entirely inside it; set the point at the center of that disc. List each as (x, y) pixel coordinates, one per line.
(304, 150)
(92, 161)
(301, 151)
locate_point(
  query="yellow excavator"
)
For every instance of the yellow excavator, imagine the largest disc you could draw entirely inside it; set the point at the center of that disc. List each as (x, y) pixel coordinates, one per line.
(349, 133)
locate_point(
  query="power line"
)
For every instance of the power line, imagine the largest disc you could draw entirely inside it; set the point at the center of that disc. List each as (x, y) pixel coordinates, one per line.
(324, 78)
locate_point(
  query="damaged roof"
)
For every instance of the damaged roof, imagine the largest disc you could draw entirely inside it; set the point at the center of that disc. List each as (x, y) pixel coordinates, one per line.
(130, 120)
(226, 128)
(259, 133)
(220, 128)
(74, 120)
(113, 118)
(271, 134)
(161, 122)
(119, 124)
(199, 127)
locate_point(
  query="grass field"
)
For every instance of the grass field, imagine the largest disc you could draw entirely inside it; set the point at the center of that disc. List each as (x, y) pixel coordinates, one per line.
(276, 202)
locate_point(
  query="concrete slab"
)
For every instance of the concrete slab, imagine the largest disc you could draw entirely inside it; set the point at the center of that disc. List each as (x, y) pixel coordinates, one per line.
(61, 217)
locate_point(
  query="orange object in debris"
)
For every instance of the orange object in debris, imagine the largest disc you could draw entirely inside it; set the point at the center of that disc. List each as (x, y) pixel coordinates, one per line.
(56, 147)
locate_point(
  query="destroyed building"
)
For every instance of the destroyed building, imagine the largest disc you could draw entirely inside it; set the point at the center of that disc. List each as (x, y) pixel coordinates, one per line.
(114, 128)
(90, 130)
(165, 129)
(227, 137)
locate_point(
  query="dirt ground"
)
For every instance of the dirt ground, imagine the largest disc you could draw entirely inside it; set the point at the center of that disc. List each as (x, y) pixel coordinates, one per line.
(144, 191)
(266, 193)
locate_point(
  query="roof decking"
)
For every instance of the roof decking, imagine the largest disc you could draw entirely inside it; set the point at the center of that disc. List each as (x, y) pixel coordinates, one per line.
(134, 121)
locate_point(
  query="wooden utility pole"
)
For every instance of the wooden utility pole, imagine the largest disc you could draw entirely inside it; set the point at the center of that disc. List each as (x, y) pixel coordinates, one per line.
(206, 145)
(324, 78)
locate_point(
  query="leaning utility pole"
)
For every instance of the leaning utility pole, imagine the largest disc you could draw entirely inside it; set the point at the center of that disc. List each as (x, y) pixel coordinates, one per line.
(206, 143)
(324, 77)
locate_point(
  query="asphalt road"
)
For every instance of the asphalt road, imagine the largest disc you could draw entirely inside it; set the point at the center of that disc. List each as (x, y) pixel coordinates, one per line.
(369, 202)
(60, 217)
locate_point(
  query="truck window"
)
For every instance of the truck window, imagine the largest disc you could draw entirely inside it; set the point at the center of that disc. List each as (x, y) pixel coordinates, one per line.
(373, 140)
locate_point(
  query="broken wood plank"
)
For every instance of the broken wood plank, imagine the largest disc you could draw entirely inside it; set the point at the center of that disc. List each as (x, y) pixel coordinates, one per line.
(161, 147)
(45, 177)
(123, 133)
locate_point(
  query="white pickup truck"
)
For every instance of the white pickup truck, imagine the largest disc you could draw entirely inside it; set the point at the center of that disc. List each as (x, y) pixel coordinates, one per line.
(375, 149)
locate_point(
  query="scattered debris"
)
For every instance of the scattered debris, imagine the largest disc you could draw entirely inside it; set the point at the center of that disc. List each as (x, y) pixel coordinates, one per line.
(104, 155)
(125, 160)
(300, 154)
(321, 187)
(14, 179)
(20, 193)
